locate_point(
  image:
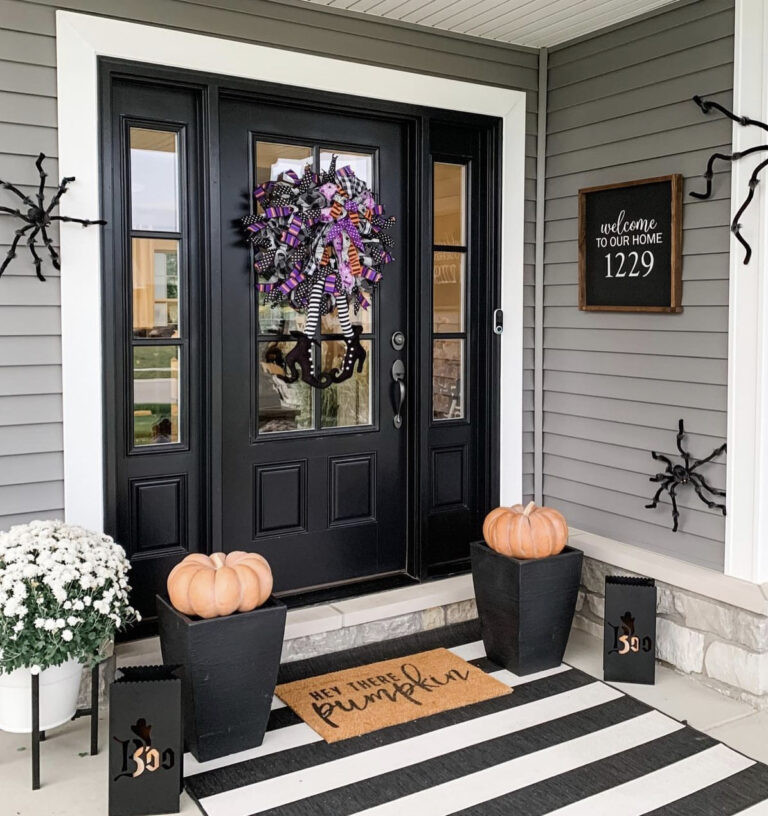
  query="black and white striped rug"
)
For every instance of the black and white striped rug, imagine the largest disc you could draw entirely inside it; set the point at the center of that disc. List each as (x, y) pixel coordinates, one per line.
(563, 743)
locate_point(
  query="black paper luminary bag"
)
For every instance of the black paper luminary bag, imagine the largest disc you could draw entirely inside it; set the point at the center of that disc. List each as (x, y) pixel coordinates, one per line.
(145, 741)
(629, 652)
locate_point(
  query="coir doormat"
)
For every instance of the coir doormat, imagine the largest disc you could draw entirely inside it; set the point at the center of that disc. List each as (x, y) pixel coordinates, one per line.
(357, 701)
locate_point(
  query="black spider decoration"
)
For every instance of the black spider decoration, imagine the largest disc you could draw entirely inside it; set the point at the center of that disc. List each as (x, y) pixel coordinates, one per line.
(686, 473)
(706, 106)
(38, 219)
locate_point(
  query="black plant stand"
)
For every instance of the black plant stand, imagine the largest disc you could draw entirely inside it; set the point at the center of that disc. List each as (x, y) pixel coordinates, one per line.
(38, 736)
(230, 667)
(525, 606)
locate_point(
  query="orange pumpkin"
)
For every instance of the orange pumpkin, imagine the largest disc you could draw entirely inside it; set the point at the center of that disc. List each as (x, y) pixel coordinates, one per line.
(525, 532)
(221, 584)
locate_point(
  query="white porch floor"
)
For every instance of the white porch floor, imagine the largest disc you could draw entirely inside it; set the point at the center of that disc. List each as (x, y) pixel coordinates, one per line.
(75, 784)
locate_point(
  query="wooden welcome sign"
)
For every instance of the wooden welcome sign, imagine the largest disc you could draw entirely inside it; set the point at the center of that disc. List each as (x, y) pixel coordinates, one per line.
(630, 246)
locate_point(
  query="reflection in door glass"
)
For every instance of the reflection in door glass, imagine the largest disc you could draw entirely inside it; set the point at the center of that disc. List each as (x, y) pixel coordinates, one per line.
(282, 406)
(280, 319)
(361, 164)
(448, 292)
(273, 158)
(155, 263)
(154, 180)
(347, 404)
(449, 198)
(155, 395)
(447, 379)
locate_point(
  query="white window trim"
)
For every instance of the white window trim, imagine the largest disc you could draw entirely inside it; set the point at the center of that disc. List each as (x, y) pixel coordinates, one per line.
(746, 529)
(81, 39)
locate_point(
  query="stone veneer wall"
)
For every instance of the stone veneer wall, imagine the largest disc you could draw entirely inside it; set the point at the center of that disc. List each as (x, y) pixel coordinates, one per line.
(722, 646)
(335, 640)
(351, 636)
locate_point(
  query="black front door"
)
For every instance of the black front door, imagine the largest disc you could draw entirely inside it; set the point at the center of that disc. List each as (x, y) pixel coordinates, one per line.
(207, 448)
(314, 479)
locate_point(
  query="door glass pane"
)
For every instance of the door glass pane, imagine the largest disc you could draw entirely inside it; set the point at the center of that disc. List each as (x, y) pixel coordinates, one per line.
(282, 406)
(154, 180)
(329, 324)
(280, 319)
(448, 292)
(155, 395)
(448, 379)
(348, 403)
(361, 163)
(273, 158)
(155, 287)
(449, 204)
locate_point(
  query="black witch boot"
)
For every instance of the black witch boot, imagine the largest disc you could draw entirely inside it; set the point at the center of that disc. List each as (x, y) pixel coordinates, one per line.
(355, 353)
(301, 355)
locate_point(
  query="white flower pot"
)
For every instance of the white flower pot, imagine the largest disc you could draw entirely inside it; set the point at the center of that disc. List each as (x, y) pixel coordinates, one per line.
(59, 687)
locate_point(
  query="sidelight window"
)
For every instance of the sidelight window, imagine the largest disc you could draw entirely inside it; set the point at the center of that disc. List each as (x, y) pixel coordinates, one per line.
(449, 271)
(158, 344)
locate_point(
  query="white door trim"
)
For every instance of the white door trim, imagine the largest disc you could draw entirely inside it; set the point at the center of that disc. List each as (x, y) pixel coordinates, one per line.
(746, 527)
(81, 39)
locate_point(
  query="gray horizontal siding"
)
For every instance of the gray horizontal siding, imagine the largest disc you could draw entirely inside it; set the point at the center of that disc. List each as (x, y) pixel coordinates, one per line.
(30, 346)
(615, 384)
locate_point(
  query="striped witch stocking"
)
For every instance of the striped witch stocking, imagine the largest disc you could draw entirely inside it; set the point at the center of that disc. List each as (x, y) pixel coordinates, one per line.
(315, 304)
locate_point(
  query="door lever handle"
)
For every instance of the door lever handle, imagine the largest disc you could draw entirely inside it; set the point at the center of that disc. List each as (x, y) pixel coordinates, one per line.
(398, 377)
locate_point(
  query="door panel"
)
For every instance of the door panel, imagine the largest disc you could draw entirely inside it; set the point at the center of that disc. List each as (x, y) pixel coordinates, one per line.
(314, 480)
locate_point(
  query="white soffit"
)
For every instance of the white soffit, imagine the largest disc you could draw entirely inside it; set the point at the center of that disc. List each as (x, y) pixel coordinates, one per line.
(534, 23)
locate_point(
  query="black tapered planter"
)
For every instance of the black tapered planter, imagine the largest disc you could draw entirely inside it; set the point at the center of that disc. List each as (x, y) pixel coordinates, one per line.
(525, 606)
(230, 667)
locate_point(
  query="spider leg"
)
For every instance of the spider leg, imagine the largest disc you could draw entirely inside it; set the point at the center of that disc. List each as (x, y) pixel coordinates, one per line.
(14, 189)
(84, 221)
(17, 213)
(735, 225)
(727, 158)
(65, 182)
(33, 249)
(715, 491)
(712, 505)
(708, 175)
(659, 457)
(680, 434)
(715, 453)
(675, 511)
(51, 250)
(43, 177)
(706, 106)
(11, 254)
(657, 495)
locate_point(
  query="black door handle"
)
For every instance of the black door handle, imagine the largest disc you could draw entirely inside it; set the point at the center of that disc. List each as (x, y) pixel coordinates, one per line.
(398, 377)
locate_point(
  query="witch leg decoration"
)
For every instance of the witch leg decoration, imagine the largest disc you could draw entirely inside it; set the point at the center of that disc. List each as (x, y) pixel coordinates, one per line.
(354, 353)
(301, 354)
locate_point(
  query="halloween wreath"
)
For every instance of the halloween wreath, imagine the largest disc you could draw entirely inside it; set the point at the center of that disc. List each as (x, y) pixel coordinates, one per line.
(320, 241)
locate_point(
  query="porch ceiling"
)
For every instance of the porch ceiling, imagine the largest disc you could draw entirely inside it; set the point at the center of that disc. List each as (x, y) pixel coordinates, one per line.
(535, 23)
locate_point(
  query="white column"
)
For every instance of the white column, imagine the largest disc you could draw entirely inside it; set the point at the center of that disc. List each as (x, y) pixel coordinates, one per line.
(746, 535)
